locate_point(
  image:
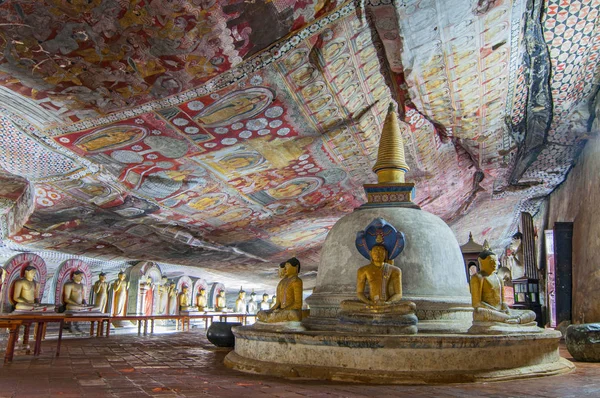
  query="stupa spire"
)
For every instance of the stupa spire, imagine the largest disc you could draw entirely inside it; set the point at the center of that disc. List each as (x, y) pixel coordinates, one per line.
(391, 164)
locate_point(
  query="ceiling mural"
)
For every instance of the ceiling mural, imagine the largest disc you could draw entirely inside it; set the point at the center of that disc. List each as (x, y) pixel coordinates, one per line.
(192, 133)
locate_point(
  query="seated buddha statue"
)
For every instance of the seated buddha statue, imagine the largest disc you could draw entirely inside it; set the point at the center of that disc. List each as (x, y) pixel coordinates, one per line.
(201, 301)
(220, 302)
(73, 295)
(288, 307)
(26, 291)
(385, 287)
(490, 311)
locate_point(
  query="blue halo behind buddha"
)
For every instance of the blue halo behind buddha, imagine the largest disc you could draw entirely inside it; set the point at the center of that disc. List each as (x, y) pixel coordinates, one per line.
(380, 232)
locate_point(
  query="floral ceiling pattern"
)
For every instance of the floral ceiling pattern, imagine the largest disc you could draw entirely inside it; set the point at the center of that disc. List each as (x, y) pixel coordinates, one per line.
(235, 134)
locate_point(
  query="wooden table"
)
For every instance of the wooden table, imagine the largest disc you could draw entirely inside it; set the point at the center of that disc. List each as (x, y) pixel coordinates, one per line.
(206, 317)
(92, 319)
(243, 318)
(141, 319)
(40, 320)
(183, 319)
(13, 325)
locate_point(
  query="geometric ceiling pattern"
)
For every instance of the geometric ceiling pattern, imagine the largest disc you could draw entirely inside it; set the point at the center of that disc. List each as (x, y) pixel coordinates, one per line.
(235, 135)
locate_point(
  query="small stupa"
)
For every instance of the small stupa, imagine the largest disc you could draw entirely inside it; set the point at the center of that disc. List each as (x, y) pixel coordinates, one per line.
(431, 264)
(343, 345)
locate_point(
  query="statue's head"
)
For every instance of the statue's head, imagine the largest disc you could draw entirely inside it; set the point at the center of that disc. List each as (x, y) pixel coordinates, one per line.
(202, 292)
(184, 289)
(164, 279)
(241, 293)
(252, 295)
(77, 276)
(378, 255)
(281, 271)
(488, 261)
(515, 241)
(265, 297)
(121, 276)
(291, 267)
(29, 272)
(221, 293)
(102, 277)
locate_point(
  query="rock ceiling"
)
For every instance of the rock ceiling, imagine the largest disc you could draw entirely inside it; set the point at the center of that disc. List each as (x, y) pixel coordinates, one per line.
(233, 134)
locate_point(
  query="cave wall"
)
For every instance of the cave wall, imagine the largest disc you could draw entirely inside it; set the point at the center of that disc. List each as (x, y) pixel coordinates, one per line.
(576, 201)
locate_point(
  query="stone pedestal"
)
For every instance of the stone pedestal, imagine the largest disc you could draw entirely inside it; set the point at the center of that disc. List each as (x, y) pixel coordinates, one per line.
(583, 342)
(397, 318)
(388, 359)
(503, 328)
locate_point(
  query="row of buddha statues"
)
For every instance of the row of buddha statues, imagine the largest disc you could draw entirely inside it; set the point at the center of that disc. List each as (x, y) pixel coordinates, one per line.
(379, 305)
(26, 292)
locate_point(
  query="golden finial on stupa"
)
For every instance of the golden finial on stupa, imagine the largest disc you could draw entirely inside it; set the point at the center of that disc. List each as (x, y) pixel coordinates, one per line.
(391, 164)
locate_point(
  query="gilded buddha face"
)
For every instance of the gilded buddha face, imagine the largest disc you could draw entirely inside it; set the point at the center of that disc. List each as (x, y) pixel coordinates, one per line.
(488, 264)
(378, 255)
(30, 274)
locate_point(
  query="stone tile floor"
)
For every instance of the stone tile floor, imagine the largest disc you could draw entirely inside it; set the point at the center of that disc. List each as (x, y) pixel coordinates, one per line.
(187, 365)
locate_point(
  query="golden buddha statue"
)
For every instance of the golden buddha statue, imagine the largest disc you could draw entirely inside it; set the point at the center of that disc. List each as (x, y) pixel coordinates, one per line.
(288, 307)
(240, 302)
(26, 292)
(101, 292)
(120, 288)
(220, 302)
(490, 311)
(385, 286)
(201, 301)
(379, 307)
(184, 299)
(74, 295)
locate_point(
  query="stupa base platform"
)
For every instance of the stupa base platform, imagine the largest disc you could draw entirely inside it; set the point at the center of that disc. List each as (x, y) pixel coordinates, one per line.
(396, 359)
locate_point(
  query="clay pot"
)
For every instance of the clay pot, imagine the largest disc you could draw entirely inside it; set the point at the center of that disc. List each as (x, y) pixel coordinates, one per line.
(220, 334)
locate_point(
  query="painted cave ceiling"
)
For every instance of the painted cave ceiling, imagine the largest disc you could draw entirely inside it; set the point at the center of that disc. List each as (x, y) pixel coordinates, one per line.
(234, 134)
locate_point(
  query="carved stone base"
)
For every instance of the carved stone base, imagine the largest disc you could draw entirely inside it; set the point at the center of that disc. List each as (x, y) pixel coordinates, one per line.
(279, 326)
(480, 327)
(397, 318)
(403, 359)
